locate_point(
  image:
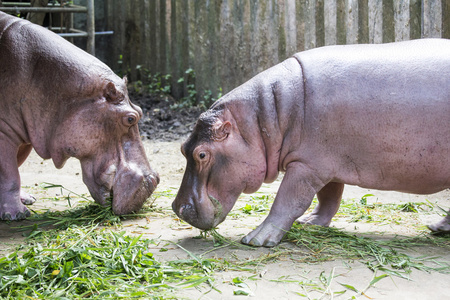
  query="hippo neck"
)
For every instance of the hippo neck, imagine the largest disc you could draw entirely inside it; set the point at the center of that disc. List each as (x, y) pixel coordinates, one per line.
(273, 113)
(281, 117)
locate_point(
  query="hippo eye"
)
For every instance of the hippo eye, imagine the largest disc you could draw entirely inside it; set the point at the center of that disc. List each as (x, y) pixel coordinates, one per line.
(202, 155)
(129, 120)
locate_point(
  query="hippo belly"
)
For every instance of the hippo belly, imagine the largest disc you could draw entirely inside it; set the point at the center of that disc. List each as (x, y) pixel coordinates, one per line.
(383, 121)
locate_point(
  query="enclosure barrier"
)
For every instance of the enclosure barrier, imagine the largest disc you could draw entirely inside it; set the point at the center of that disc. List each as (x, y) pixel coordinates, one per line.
(227, 42)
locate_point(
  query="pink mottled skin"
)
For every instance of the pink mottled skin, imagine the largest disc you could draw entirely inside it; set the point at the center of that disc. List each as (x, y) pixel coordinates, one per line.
(65, 103)
(375, 116)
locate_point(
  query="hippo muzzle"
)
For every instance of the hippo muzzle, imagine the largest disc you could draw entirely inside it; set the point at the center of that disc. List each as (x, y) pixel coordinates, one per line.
(128, 188)
(204, 212)
(131, 189)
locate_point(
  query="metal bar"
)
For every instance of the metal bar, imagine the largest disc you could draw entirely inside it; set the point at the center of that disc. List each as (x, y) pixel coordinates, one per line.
(25, 4)
(44, 9)
(84, 34)
(73, 34)
(65, 29)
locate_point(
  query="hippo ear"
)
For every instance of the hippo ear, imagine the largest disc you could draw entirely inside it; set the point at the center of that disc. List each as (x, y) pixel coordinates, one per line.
(221, 130)
(125, 79)
(111, 94)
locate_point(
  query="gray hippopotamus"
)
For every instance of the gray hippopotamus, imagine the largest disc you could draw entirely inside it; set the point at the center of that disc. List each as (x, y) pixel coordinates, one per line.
(65, 103)
(375, 116)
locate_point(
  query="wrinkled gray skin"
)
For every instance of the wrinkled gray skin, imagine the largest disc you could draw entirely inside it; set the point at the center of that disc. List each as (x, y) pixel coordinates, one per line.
(65, 103)
(375, 116)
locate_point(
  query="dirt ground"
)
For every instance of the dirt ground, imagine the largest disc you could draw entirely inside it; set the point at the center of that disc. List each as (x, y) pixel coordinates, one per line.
(164, 130)
(167, 159)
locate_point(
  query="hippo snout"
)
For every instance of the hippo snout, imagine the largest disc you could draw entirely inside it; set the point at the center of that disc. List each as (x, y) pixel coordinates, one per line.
(186, 212)
(153, 179)
(131, 189)
(200, 216)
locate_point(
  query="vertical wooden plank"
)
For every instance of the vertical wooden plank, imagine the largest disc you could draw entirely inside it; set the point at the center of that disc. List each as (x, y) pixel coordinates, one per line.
(415, 19)
(183, 15)
(145, 35)
(330, 24)
(205, 32)
(121, 13)
(291, 33)
(177, 89)
(151, 34)
(320, 23)
(375, 21)
(341, 22)
(227, 43)
(300, 8)
(352, 21)
(446, 19)
(431, 18)
(388, 21)
(111, 56)
(133, 38)
(255, 39)
(310, 24)
(90, 27)
(402, 20)
(363, 21)
(163, 38)
(281, 20)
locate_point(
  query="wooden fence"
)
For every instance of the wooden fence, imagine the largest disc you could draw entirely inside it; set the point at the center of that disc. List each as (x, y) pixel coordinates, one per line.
(226, 42)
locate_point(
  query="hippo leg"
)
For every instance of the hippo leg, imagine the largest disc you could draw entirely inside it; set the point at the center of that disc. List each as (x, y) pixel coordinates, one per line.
(329, 200)
(295, 195)
(22, 154)
(11, 206)
(441, 226)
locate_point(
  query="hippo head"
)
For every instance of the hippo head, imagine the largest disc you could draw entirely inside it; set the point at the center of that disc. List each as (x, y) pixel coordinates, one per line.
(221, 164)
(101, 130)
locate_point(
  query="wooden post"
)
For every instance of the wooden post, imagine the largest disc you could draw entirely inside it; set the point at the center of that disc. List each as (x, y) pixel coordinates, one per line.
(388, 21)
(363, 21)
(375, 21)
(330, 7)
(431, 18)
(90, 27)
(446, 19)
(415, 19)
(341, 22)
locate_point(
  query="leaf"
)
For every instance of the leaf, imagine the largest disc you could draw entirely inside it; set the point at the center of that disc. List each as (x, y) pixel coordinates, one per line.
(241, 292)
(350, 287)
(378, 278)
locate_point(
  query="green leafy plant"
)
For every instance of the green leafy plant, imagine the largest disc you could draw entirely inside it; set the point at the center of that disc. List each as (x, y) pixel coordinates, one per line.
(326, 243)
(85, 263)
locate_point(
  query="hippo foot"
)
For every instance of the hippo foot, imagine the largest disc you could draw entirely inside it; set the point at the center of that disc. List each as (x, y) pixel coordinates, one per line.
(314, 219)
(441, 226)
(27, 199)
(265, 235)
(8, 216)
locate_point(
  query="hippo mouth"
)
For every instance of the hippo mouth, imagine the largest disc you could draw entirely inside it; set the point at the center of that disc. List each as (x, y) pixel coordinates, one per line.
(218, 210)
(201, 217)
(129, 194)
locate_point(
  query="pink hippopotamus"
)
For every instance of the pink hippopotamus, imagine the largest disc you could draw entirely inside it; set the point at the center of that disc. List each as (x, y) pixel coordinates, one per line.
(375, 116)
(64, 103)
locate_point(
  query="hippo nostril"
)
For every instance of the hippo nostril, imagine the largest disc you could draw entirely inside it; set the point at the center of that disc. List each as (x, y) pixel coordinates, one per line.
(187, 213)
(153, 179)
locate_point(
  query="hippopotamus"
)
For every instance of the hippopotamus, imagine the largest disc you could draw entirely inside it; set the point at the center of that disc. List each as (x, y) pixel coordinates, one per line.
(374, 116)
(65, 103)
